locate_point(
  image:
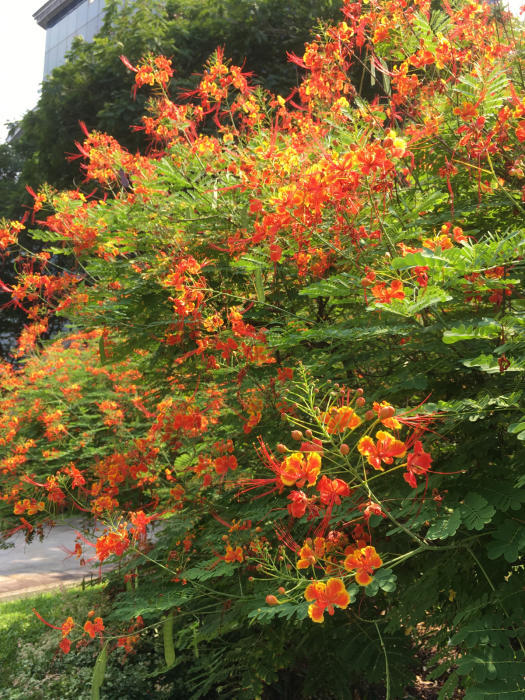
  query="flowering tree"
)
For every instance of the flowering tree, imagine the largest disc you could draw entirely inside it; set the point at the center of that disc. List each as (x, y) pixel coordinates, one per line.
(296, 324)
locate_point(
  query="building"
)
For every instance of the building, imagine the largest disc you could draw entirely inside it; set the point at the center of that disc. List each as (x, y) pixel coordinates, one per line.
(64, 20)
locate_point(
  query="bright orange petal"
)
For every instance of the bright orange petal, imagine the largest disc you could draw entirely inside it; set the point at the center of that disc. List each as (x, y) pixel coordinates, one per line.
(365, 445)
(314, 590)
(336, 592)
(362, 578)
(315, 611)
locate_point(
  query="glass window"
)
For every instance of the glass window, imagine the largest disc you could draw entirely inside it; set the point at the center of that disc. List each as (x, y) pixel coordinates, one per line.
(52, 60)
(84, 20)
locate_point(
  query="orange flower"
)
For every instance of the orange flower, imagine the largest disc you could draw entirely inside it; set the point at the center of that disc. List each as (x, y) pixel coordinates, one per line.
(364, 561)
(467, 111)
(225, 462)
(385, 295)
(113, 543)
(306, 557)
(298, 470)
(386, 414)
(337, 420)
(67, 626)
(385, 450)
(95, 627)
(233, 554)
(520, 131)
(325, 596)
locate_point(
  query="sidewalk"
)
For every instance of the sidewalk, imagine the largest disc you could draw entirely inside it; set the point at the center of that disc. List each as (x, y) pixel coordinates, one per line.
(40, 566)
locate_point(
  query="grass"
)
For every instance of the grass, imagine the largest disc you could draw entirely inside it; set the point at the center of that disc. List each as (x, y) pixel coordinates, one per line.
(20, 627)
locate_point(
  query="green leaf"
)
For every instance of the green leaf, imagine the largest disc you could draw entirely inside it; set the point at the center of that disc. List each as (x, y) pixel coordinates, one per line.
(167, 638)
(285, 610)
(485, 329)
(445, 527)
(209, 569)
(259, 287)
(383, 579)
(336, 286)
(102, 350)
(504, 496)
(99, 671)
(489, 364)
(424, 258)
(476, 511)
(499, 689)
(508, 541)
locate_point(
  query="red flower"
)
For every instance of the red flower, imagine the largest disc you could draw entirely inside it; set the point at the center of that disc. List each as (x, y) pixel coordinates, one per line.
(364, 561)
(65, 645)
(418, 462)
(332, 490)
(299, 501)
(325, 596)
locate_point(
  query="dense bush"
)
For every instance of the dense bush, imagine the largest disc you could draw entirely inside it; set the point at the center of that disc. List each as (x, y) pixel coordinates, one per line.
(297, 346)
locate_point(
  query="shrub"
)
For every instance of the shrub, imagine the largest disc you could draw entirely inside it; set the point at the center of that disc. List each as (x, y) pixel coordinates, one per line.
(308, 320)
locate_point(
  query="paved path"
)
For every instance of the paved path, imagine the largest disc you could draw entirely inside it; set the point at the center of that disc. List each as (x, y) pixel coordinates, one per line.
(39, 566)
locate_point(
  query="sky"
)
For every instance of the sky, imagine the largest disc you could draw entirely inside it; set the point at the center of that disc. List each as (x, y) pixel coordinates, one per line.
(22, 44)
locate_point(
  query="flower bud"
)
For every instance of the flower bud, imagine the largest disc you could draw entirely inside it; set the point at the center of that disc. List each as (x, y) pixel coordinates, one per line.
(271, 600)
(344, 449)
(297, 435)
(370, 415)
(387, 412)
(281, 448)
(360, 401)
